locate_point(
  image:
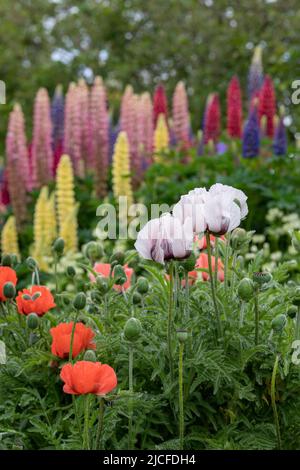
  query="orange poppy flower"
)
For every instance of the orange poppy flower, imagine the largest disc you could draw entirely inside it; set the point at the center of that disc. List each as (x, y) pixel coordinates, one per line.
(88, 377)
(6, 275)
(61, 339)
(104, 270)
(202, 262)
(37, 299)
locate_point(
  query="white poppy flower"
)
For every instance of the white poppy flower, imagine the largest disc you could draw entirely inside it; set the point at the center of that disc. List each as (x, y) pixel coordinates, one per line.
(191, 206)
(165, 238)
(238, 196)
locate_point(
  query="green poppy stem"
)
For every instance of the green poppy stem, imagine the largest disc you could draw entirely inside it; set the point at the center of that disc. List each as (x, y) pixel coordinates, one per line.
(130, 380)
(212, 285)
(273, 400)
(180, 382)
(100, 424)
(86, 443)
(170, 319)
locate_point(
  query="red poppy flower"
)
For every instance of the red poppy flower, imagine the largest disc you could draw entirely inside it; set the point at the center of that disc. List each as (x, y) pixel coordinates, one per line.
(37, 299)
(202, 241)
(6, 275)
(61, 339)
(104, 270)
(88, 377)
(202, 263)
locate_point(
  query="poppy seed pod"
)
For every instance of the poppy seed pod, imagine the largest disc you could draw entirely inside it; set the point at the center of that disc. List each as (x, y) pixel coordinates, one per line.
(136, 298)
(102, 284)
(238, 237)
(132, 329)
(142, 285)
(59, 246)
(32, 321)
(31, 263)
(117, 256)
(119, 275)
(71, 271)
(279, 322)
(182, 336)
(90, 355)
(6, 260)
(93, 251)
(292, 311)
(9, 290)
(80, 301)
(262, 277)
(246, 289)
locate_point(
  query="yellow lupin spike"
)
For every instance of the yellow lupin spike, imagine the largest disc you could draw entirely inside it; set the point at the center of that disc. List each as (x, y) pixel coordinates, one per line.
(9, 237)
(161, 137)
(121, 169)
(66, 204)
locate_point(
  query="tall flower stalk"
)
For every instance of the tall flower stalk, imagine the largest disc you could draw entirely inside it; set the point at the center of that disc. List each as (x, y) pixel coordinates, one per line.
(170, 318)
(212, 285)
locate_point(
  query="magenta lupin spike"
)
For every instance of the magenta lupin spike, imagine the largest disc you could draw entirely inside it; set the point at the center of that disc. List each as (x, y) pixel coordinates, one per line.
(181, 124)
(73, 130)
(42, 154)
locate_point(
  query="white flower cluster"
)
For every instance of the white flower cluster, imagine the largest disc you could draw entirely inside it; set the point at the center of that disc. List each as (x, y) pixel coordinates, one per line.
(217, 211)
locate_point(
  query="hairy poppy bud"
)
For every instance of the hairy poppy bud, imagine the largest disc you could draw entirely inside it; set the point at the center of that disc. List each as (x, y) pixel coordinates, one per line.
(182, 336)
(71, 271)
(119, 275)
(96, 296)
(189, 263)
(6, 260)
(132, 329)
(292, 311)
(246, 289)
(102, 284)
(59, 246)
(136, 298)
(80, 301)
(32, 321)
(9, 290)
(117, 256)
(93, 251)
(238, 238)
(14, 259)
(31, 263)
(279, 322)
(90, 356)
(142, 285)
(262, 277)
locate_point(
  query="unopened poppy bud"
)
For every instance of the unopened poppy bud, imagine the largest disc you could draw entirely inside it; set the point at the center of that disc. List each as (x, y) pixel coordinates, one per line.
(292, 311)
(14, 259)
(241, 261)
(142, 285)
(26, 297)
(119, 275)
(96, 296)
(6, 260)
(262, 277)
(80, 301)
(246, 289)
(117, 256)
(238, 237)
(93, 251)
(136, 298)
(36, 296)
(90, 356)
(102, 284)
(71, 271)
(32, 321)
(296, 297)
(132, 329)
(59, 246)
(31, 263)
(9, 290)
(279, 322)
(189, 263)
(182, 336)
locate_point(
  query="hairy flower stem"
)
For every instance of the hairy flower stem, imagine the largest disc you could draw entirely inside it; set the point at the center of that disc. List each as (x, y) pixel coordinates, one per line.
(180, 382)
(273, 400)
(256, 310)
(72, 337)
(212, 285)
(130, 379)
(55, 274)
(170, 319)
(297, 331)
(86, 444)
(226, 262)
(216, 260)
(100, 424)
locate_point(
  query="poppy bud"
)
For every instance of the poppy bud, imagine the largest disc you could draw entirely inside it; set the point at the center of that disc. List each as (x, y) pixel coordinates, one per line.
(182, 336)
(59, 246)
(142, 285)
(71, 271)
(117, 256)
(9, 290)
(246, 289)
(14, 259)
(189, 263)
(279, 322)
(296, 297)
(132, 329)
(93, 251)
(6, 260)
(296, 240)
(32, 321)
(31, 263)
(90, 356)
(241, 262)
(238, 238)
(136, 298)
(80, 301)
(119, 275)
(292, 311)
(102, 284)
(96, 296)
(262, 277)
